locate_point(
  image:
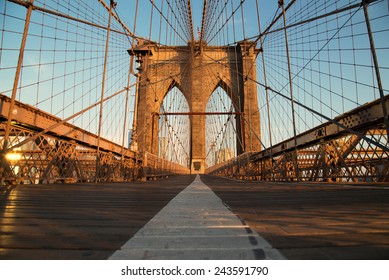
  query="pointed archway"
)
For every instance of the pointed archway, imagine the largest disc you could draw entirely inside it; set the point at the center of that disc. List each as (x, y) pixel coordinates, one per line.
(174, 130)
(222, 131)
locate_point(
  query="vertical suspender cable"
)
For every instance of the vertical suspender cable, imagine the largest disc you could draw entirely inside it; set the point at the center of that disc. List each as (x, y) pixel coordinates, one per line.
(266, 90)
(376, 67)
(134, 136)
(241, 8)
(281, 3)
(112, 3)
(151, 19)
(125, 113)
(239, 105)
(17, 76)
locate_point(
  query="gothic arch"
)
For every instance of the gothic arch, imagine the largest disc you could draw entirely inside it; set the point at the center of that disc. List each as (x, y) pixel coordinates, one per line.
(181, 69)
(228, 90)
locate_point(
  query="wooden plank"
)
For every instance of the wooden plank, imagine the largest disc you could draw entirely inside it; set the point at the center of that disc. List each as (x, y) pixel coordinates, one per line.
(79, 221)
(312, 221)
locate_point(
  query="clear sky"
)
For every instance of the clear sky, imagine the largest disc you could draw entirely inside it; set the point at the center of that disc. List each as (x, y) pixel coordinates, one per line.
(126, 10)
(62, 71)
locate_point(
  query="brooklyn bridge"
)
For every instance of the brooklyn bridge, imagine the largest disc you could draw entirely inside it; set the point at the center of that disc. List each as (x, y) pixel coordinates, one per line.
(214, 129)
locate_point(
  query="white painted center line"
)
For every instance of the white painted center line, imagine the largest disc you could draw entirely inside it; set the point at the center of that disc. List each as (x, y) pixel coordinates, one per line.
(196, 225)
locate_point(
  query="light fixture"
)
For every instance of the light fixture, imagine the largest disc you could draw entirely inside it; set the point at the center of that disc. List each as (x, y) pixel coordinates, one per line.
(13, 156)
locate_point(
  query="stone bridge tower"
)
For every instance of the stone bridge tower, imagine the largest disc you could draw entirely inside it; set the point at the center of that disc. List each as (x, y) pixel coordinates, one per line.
(197, 70)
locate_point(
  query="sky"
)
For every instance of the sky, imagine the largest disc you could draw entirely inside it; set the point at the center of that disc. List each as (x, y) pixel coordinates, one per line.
(126, 11)
(63, 59)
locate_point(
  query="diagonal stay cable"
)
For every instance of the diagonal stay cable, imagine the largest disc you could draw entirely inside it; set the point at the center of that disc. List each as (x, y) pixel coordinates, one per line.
(167, 20)
(337, 123)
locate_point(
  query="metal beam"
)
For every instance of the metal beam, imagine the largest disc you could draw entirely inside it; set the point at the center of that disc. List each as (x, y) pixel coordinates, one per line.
(272, 23)
(55, 13)
(17, 74)
(38, 120)
(125, 27)
(376, 67)
(363, 117)
(334, 12)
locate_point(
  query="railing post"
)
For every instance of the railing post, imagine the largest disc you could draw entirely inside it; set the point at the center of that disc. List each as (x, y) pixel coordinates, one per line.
(266, 90)
(3, 161)
(281, 4)
(112, 4)
(17, 76)
(365, 4)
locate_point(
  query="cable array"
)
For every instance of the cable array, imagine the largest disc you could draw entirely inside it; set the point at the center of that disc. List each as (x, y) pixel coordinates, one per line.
(220, 129)
(314, 63)
(62, 69)
(331, 64)
(174, 133)
(174, 18)
(218, 17)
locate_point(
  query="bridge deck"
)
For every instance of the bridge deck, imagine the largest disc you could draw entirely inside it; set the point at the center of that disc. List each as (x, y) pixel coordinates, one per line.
(303, 221)
(313, 220)
(79, 221)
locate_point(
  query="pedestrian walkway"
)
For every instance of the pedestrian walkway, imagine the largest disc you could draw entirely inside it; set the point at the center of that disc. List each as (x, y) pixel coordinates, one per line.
(196, 225)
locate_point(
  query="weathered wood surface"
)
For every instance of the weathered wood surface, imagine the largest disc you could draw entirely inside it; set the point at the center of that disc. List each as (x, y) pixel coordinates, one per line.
(79, 221)
(312, 220)
(91, 221)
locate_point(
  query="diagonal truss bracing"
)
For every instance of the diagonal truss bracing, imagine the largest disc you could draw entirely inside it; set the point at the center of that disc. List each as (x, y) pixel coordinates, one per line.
(329, 58)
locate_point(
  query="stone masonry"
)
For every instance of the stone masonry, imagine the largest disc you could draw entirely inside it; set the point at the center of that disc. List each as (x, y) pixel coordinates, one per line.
(197, 71)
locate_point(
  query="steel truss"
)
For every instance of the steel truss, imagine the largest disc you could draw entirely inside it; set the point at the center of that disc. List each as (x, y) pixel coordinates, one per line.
(67, 153)
(325, 153)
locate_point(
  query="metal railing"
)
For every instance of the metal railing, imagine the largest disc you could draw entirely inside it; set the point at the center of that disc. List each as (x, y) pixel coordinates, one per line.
(326, 153)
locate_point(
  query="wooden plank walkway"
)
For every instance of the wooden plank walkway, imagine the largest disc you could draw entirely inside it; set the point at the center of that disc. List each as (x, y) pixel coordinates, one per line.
(196, 225)
(92, 221)
(76, 221)
(313, 220)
